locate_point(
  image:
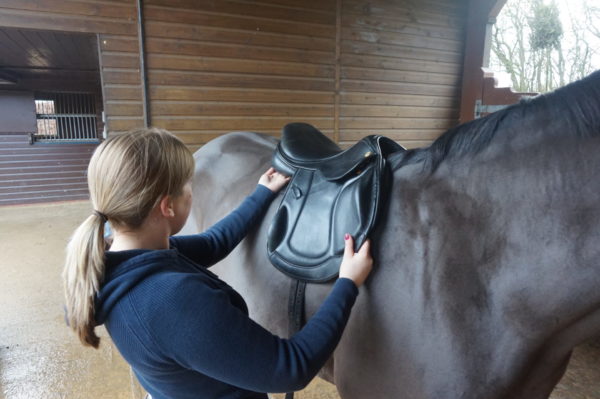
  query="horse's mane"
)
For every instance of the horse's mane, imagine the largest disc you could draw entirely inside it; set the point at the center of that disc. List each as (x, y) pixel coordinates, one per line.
(578, 104)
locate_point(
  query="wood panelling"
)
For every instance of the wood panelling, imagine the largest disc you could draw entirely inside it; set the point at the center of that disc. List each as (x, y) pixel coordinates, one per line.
(401, 66)
(350, 67)
(42, 172)
(240, 95)
(223, 66)
(239, 21)
(245, 65)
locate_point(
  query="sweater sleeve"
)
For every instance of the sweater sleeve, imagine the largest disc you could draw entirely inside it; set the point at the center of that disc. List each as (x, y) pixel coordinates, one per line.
(216, 339)
(219, 240)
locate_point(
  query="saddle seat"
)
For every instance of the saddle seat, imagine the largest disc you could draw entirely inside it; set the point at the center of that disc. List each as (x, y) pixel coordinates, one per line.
(303, 146)
(332, 192)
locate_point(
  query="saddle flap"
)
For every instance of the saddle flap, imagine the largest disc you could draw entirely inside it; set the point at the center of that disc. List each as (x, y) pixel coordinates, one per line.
(305, 239)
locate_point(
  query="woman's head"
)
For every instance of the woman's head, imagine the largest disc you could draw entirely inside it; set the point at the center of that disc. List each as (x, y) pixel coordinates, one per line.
(129, 173)
(128, 176)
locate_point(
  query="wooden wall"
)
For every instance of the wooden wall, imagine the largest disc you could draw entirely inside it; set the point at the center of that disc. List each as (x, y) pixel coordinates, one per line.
(43, 172)
(401, 66)
(221, 66)
(350, 67)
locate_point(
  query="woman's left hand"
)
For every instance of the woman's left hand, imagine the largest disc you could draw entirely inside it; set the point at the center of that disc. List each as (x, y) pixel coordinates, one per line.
(273, 180)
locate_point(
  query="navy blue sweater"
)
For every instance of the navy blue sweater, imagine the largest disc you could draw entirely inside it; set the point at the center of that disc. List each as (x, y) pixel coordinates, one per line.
(187, 334)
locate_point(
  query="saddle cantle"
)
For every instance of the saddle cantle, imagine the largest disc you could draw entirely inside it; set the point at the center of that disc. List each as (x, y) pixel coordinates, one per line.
(332, 192)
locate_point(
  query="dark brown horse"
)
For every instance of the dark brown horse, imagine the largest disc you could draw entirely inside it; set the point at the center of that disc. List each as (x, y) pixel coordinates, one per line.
(487, 268)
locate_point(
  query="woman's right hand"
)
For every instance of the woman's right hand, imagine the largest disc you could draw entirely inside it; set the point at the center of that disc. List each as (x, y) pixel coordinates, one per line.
(356, 266)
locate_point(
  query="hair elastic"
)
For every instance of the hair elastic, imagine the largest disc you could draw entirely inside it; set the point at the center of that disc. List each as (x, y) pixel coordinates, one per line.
(101, 216)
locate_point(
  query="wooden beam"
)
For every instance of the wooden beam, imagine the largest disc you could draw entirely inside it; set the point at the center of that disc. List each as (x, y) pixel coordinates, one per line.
(478, 18)
(143, 74)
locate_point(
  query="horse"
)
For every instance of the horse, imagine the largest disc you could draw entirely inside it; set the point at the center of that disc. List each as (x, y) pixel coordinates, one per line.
(487, 255)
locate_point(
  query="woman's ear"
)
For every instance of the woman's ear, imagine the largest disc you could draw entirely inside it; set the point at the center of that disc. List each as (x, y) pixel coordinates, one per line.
(166, 206)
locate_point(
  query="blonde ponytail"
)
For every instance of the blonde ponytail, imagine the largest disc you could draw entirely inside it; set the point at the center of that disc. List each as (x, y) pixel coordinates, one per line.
(127, 176)
(83, 274)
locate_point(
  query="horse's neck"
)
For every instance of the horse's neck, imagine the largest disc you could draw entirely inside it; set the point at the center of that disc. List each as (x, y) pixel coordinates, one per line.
(520, 226)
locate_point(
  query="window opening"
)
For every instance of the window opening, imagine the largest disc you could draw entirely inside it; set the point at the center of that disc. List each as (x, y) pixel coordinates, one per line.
(66, 117)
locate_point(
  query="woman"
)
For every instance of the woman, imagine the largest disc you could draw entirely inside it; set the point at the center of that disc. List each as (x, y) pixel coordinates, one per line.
(185, 333)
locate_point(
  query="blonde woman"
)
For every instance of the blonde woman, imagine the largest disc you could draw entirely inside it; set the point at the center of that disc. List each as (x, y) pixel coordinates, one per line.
(185, 333)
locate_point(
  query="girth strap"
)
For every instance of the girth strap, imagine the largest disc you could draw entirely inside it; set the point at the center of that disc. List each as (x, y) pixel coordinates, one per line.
(295, 312)
(296, 306)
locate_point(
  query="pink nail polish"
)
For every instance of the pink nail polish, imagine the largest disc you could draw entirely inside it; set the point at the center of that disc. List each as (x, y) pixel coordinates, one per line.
(347, 236)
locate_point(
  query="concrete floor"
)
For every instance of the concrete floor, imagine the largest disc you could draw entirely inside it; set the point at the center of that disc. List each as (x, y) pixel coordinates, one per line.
(40, 358)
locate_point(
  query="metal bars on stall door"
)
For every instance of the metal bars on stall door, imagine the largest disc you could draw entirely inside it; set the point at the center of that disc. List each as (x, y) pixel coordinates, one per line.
(69, 117)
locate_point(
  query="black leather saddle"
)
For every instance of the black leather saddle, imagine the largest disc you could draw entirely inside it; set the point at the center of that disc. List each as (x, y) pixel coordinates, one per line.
(332, 192)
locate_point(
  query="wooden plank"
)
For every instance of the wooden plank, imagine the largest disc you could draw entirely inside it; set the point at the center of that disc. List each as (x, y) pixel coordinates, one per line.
(397, 63)
(120, 125)
(20, 40)
(119, 108)
(394, 134)
(25, 170)
(120, 60)
(184, 93)
(410, 144)
(162, 108)
(49, 84)
(41, 151)
(199, 137)
(258, 10)
(208, 64)
(405, 12)
(13, 139)
(400, 88)
(42, 163)
(400, 51)
(401, 39)
(443, 7)
(233, 124)
(32, 198)
(42, 191)
(182, 47)
(395, 123)
(393, 111)
(61, 22)
(378, 24)
(70, 7)
(122, 92)
(324, 5)
(22, 178)
(58, 186)
(119, 44)
(372, 74)
(120, 76)
(15, 159)
(246, 37)
(241, 22)
(12, 53)
(234, 80)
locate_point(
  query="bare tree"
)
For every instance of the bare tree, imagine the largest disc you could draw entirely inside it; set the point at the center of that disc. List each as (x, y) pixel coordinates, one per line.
(530, 43)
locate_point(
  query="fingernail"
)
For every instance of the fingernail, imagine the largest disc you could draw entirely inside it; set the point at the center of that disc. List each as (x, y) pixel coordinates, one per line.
(347, 236)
